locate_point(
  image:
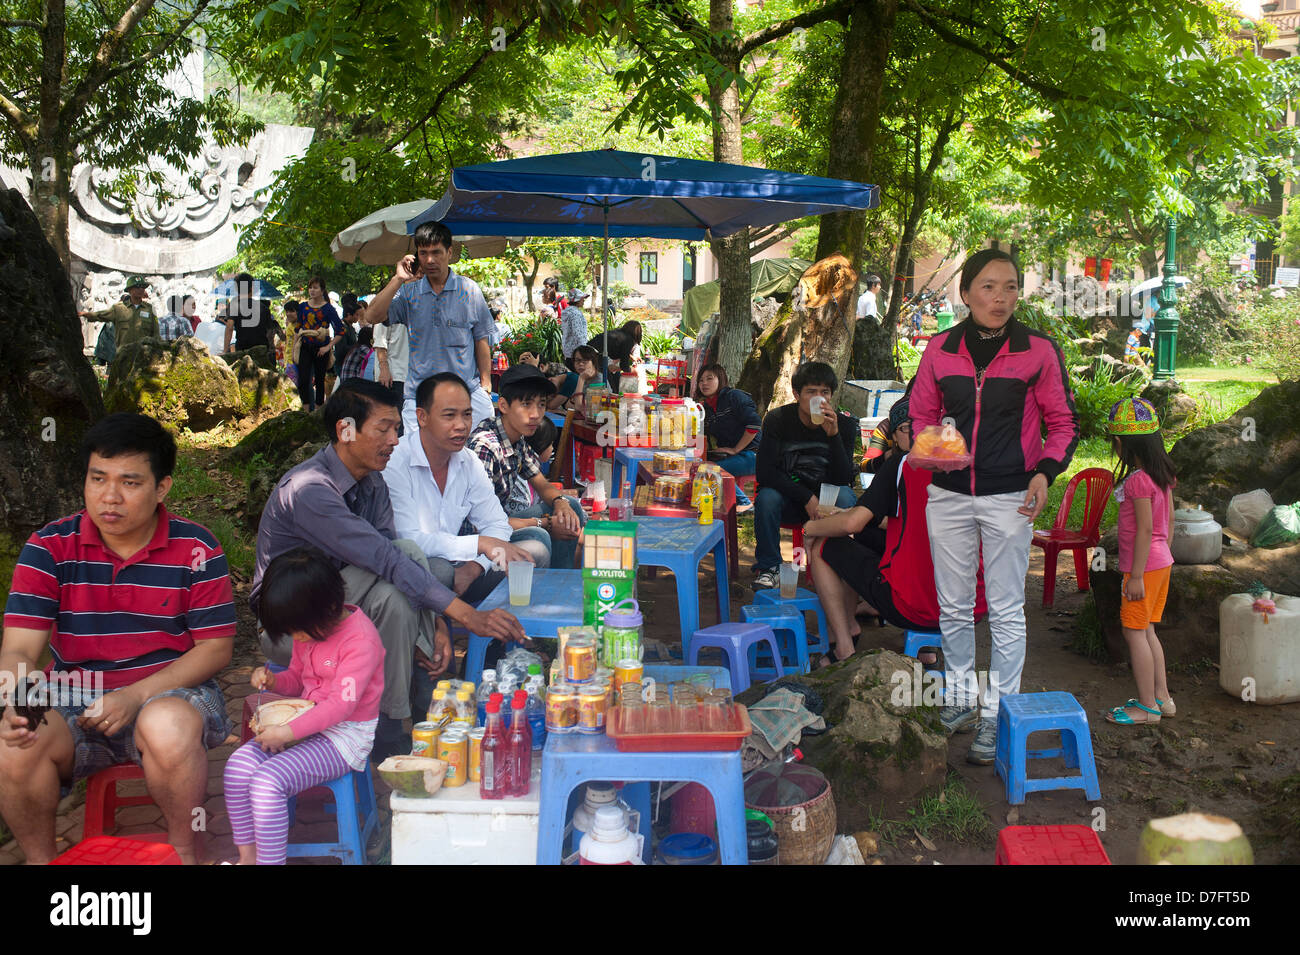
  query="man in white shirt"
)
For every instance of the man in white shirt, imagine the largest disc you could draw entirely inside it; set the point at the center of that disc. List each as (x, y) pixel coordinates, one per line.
(436, 484)
(867, 300)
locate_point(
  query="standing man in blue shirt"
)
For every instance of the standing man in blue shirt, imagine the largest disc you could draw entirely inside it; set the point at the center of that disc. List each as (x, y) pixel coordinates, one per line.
(446, 317)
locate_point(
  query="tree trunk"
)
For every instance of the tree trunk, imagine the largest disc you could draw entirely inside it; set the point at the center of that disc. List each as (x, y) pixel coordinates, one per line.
(854, 120)
(735, 324)
(528, 279)
(51, 187)
(816, 324)
(1150, 262)
(873, 344)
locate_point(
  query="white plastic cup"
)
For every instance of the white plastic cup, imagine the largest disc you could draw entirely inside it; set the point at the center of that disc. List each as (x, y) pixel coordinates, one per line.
(830, 493)
(520, 575)
(815, 408)
(789, 578)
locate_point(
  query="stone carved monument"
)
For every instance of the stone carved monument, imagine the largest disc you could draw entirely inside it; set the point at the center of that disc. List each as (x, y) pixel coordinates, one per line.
(177, 244)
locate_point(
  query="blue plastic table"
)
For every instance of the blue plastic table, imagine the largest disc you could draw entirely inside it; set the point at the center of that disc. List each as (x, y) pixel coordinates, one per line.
(556, 602)
(680, 545)
(573, 759)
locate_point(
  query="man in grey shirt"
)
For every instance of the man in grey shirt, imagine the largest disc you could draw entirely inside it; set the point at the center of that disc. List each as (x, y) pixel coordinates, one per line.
(448, 323)
(338, 503)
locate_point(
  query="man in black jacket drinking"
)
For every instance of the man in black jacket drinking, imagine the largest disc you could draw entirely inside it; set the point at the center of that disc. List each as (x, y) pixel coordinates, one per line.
(802, 449)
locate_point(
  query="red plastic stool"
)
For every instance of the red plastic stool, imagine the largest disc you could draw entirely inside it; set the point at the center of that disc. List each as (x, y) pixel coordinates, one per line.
(1050, 845)
(103, 801)
(110, 850)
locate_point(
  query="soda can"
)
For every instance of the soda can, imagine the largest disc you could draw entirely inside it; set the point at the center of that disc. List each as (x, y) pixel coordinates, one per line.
(561, 708)
(579, 660)
(627, 671)
(476, 753)
(424, 739)
(453, 749)
(593, 701)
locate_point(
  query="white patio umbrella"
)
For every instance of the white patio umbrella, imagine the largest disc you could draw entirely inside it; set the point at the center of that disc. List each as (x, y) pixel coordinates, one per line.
(1151, 284)
(382, 237)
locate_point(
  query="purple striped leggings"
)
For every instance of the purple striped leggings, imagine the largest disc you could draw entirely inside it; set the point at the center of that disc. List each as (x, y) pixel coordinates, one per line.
(258, 786)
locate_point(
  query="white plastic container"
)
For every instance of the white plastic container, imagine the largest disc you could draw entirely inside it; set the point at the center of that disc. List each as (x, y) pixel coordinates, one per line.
(1259, 653)
(596, 796)
(456, 827)
(1196, 537)
(609, 842)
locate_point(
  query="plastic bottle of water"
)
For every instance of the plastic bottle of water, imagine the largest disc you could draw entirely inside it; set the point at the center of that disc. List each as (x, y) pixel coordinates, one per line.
(536, 712)
(486, 687)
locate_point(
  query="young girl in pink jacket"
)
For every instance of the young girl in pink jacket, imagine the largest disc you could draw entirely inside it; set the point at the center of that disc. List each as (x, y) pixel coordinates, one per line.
(338, 665)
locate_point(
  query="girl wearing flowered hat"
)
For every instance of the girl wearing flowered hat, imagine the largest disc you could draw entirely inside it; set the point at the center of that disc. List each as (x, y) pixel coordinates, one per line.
(1143, 487)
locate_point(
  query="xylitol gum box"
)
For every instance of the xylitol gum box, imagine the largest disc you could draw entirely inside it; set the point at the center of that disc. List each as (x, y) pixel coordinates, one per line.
(608, 568)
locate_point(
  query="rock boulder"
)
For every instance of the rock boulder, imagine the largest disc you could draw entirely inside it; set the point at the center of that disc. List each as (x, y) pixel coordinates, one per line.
(1175, 407)
(1258, 447)
(884, 748)
(272, 448)
(177, 382)
(182, 385)
(49, 396)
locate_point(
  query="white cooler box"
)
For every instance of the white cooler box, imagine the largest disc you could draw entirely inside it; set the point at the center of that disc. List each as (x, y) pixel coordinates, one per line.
(457, 827)
(871, 398)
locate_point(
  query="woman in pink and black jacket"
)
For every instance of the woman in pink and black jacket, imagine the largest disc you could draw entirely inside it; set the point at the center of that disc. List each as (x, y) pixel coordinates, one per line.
(1002, 385)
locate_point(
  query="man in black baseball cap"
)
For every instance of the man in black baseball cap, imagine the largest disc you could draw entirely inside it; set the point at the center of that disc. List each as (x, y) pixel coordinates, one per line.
(544, 522)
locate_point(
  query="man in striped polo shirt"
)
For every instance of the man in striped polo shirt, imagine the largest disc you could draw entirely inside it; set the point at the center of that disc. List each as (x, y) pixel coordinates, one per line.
(135, 607)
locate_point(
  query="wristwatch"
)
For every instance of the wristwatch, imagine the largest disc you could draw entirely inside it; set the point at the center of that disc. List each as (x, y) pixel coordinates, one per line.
(539, 522)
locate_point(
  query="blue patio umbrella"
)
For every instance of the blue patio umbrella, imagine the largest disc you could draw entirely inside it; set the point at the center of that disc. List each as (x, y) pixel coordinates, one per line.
(261, 289)
(610, 192)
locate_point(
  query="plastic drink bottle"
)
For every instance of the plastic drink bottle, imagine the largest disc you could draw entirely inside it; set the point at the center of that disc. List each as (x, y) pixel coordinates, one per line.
(487, 686)
(706, 508)
(520, 748)
(536, 713)
(493, 758)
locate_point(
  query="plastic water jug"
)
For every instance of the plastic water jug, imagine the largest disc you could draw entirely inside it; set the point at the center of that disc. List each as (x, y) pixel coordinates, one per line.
(596, 796)
(1196, 537)
(609, 842)
(1259, 651)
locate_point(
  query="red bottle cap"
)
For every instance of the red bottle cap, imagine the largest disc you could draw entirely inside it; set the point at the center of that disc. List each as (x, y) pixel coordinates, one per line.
(495, 698)
(519, 700)
(494, 706)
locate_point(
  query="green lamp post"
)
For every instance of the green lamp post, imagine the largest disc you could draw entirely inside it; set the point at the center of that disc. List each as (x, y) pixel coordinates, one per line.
(1167, 316)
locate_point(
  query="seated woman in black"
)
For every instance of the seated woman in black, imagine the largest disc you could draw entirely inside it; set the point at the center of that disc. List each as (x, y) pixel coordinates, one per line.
(892, 572)
(732, 425)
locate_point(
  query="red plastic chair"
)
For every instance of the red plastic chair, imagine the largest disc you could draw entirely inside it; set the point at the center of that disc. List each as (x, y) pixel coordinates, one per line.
(1059, 537)
(103, 801)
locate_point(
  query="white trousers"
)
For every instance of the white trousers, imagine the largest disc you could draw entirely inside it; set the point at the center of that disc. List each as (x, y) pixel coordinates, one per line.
(480, 401)
(961, 527)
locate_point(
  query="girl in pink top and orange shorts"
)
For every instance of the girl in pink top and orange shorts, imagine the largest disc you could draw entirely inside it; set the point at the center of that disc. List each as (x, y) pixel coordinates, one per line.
(1143, 488)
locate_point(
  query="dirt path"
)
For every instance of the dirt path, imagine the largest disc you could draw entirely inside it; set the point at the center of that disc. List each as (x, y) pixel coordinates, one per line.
(1218, 755)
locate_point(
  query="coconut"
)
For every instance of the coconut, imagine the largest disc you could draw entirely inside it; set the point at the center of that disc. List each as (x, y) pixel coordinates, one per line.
(417, 776)
(278, 712)
(1194, 838)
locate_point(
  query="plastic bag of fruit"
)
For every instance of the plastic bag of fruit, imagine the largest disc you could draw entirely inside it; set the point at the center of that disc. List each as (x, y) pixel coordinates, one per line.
(940, 447)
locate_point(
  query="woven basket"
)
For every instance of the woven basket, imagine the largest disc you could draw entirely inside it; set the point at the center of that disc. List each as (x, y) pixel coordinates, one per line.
(804, 832)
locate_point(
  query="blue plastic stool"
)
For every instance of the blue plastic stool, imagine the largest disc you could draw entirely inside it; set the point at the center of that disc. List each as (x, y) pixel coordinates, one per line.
(802, 600)
(1026, 713)
(572, 760)
(736, 639)
(914, 640)
(355, 816)
(787, 623)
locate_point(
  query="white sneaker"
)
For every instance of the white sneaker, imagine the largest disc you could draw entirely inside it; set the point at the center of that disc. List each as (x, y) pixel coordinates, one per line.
(765, 580)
